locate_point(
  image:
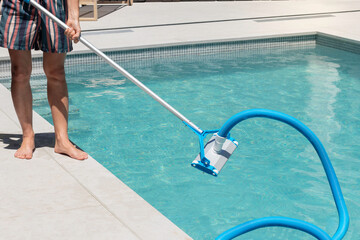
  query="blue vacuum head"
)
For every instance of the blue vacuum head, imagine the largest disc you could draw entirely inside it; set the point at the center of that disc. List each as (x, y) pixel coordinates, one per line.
(216, 153)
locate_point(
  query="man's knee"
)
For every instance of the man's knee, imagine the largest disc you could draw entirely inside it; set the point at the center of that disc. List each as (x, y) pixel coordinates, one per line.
(20, 73)
(54, 73)
(53, 64)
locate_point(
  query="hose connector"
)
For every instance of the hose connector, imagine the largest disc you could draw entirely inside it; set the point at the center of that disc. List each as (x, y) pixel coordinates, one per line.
(219, 142)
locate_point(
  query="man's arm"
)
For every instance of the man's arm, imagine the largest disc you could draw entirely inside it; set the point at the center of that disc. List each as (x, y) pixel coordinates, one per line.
(73, 33)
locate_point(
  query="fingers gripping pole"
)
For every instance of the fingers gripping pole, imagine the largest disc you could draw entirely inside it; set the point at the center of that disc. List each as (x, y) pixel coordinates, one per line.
(118, 68)
(329, 170)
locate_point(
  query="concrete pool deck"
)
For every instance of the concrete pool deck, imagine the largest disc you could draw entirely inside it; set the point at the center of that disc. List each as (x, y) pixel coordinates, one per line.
(55, 197)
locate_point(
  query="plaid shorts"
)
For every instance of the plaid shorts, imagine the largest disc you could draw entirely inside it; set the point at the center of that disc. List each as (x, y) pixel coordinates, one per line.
(23, 27)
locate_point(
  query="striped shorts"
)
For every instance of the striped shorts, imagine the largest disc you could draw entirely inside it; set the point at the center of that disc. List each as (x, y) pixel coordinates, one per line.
(23, 27)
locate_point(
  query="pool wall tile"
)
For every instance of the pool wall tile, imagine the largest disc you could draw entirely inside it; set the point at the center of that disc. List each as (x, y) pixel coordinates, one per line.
(204, 48)
(338, 43)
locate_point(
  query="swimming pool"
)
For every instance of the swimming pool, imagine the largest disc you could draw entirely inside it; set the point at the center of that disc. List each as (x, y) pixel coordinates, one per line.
(274, 171)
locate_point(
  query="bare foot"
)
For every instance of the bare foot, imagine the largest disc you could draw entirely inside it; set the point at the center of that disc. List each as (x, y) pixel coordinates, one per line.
(67, 148)
(26, 149)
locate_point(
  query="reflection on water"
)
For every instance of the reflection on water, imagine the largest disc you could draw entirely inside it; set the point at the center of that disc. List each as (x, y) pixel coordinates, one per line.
(322, 78)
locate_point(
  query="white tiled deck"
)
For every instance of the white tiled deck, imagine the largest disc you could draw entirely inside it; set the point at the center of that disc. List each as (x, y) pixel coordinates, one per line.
(54, 197)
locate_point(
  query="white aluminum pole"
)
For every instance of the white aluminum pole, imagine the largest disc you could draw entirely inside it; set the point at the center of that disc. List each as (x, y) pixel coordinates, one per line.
(118, 68)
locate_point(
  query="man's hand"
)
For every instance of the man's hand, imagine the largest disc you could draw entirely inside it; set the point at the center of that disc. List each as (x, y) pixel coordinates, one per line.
(73, 33)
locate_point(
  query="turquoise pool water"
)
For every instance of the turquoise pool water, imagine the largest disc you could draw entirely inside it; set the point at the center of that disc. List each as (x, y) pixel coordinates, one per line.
(273, 172)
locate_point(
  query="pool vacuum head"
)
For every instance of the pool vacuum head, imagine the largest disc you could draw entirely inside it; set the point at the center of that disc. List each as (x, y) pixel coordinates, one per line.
(217, 151)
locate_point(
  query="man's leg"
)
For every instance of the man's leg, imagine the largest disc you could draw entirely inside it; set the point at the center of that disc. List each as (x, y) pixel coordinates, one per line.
(59, 104)
(22, 99)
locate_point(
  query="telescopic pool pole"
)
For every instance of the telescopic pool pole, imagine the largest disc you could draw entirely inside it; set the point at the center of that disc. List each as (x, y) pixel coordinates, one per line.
(212, 156)
(118, 68)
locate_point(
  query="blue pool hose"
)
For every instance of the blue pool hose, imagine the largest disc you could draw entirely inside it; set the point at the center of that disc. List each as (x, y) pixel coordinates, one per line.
(284, 221)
